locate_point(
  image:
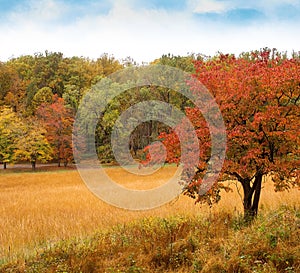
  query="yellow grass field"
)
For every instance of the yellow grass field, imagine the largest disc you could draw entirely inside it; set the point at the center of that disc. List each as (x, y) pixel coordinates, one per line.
(37, 209)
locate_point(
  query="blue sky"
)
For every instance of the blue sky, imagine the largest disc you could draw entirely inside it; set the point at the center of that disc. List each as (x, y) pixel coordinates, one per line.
(146, 29)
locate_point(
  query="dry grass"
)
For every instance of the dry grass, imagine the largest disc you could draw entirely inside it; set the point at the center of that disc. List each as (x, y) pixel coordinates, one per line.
(38, 208)
(214, 243)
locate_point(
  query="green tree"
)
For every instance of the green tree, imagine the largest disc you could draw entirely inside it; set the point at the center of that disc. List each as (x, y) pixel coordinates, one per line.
(32, 144)
(44, 95)
(72, 97)
(9, 124)
(108, 64)
(11, 87)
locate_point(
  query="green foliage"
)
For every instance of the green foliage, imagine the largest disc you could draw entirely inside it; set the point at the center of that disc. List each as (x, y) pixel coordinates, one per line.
(44, 95)
(105, 153)
(54, 71)
(6, 80)
(72, 96)
(32, 145)
(9, 124)
(185, 63)
(28, 82)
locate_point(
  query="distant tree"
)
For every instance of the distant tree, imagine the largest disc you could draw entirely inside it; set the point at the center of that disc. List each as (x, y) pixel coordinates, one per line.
(32, 144)
(58, 120)
(109, 64)
(185, 63)
(72, 97)
(9, 124)
(11, 87)
(44, 95)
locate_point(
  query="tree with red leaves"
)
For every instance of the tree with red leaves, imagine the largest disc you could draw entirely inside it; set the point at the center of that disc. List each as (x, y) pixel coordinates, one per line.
(58, 121)
(259, 98)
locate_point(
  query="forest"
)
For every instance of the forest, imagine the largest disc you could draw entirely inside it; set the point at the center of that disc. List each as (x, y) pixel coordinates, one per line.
(39, 97)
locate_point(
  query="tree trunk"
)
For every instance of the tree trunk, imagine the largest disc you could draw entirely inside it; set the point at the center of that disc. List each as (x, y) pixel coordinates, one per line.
(4, 165)
(251, 197)
(33, 164)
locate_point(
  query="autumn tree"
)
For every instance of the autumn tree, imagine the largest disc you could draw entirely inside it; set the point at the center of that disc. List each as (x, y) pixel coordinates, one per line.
(9, 125)
(44, 95)
(259, 99)
(58, 121)
(12, 89)
(108, 64)
(32, 144)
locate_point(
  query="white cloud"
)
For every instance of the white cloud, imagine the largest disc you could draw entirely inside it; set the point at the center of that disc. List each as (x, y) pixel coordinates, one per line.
(142, 34)
(207, 6)
(38, 11)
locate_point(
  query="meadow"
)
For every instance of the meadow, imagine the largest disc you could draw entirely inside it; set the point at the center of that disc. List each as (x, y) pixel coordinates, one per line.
(42, 212)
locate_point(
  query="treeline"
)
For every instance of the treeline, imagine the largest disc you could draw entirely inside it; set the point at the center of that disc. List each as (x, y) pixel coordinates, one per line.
(40, 95)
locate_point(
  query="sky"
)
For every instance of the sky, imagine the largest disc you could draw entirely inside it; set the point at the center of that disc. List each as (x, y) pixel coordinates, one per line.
(145, 30)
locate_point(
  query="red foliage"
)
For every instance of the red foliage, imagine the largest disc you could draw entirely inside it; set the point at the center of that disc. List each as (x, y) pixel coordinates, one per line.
(58, 121)
(259, 99)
